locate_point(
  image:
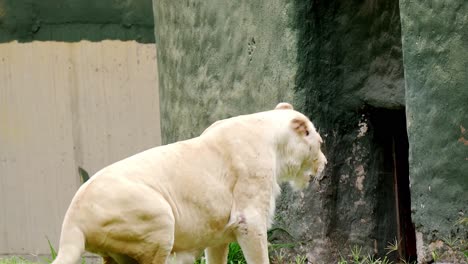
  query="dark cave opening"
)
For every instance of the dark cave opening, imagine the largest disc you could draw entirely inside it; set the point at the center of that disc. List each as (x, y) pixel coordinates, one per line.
(393, 209)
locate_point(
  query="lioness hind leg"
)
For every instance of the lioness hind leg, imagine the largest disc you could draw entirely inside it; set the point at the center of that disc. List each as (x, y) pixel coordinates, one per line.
(157, 255)
(159, 259)
(120, 259)
(183, 258)
(158, 240)
(158, 247)
(108, 260)
(217, 255)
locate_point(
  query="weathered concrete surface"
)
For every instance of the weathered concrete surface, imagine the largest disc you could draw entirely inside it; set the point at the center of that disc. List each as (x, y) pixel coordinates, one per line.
(339, 62)
(435, 42)
(64, 106)
(74, 20)
(220, 59)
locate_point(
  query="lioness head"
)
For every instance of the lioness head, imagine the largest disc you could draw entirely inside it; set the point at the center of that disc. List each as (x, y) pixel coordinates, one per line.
(300, 152)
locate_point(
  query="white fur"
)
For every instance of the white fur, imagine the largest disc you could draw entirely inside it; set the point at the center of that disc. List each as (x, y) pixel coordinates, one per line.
(205, 192)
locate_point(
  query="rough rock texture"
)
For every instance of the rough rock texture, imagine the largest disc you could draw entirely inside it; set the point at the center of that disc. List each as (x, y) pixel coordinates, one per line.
(339, 62)
(435, 42)
(349, 71)
(74, 20)
(222, 58)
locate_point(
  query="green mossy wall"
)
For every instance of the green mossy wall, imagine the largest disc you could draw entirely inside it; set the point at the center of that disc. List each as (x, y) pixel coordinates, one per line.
(75, 20)
(435, 44)
(221, 58)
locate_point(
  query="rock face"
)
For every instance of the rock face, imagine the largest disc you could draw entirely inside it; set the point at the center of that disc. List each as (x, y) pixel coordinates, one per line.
(350, 82)
(435, 42)
(341, 63)
(71, 20)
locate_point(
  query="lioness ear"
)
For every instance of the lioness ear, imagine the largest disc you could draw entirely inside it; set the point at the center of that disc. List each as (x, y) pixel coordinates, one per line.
(300, 126)
(284, 106)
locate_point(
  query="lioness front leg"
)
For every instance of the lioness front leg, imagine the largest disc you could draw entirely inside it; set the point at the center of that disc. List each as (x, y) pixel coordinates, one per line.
(217, 255)
(251, 235)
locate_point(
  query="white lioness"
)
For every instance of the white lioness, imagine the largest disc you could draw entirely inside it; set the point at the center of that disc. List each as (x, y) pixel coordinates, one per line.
(174, 201)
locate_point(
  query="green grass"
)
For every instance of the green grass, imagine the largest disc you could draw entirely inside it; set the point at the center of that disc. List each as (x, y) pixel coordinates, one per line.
(15, 260)
(235, 255)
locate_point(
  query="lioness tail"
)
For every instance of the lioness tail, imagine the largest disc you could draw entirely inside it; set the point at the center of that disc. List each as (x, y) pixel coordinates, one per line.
(72, 243)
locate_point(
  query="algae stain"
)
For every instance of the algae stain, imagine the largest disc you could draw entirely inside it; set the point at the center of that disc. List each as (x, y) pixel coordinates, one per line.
(462, 139)
(2, 12)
